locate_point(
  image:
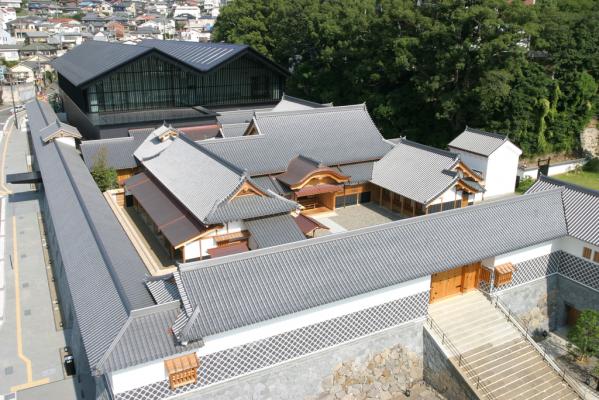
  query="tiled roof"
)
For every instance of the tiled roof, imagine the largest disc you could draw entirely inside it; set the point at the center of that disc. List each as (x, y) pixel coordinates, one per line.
(581, 206)
(145, 337)
(273, 231)
(358, 173)
(234, 130)
(271, 183)
(250, 206)
(477, 141)
(298, 276)
(333, 135)
(290, 103)
(196, 178)
(163, 289)
(416, 171)
(119, 151)
(108, 270)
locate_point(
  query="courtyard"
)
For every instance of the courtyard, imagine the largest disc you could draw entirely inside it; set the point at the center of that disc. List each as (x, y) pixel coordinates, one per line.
(355, 217)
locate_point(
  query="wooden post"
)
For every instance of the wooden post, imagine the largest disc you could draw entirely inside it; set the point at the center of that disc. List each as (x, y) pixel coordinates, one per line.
(401, 204)
(183, 253)
(392, 200)
(413, 208)
(381, 196)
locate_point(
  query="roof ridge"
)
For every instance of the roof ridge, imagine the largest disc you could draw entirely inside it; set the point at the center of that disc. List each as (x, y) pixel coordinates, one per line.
(357, 232)
(321, 110)
(568, 185)
(215, 157)
(487, 133)
(421, 146)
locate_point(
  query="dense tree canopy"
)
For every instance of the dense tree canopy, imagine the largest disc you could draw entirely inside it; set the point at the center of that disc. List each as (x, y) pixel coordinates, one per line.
(427, 68)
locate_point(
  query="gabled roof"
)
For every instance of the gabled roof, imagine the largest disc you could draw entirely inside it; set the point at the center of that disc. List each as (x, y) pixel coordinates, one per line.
(92, 59)
(57, 130)
(146, 336)
(478, 141)
(275, 230)
(332, 135)
(581, 206)
(301, 167)
(119, 151)
(290, 103)
(108, 270)
(416, 171)
(225, 294)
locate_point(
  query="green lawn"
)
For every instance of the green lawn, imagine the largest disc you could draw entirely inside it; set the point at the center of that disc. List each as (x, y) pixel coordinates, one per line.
(585, 178)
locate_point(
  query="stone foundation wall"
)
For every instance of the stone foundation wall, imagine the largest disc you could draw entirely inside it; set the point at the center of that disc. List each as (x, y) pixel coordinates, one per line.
(441, 374)
(534, 303)
(576, 295)
(339, 370)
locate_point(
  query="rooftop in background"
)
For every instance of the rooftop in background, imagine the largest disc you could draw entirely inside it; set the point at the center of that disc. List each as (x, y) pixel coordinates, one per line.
(478, 141)
(94, 58)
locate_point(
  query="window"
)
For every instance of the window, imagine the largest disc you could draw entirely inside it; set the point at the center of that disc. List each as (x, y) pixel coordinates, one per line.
(182, 370)
(596, 257)
(586, 252)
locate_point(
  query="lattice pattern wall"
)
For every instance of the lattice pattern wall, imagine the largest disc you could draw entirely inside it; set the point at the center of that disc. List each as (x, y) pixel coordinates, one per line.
(579, 270)
(276, 349)
(575, 268)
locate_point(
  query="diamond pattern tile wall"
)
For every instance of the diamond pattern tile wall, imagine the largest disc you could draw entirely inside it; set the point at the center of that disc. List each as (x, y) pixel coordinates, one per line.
(532, 269)
(579, 270)
(267, 352)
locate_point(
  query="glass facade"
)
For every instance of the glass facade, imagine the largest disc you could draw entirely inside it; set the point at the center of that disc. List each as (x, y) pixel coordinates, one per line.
(153, 82)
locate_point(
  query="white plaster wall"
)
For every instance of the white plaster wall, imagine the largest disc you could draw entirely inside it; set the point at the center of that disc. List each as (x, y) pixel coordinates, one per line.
(502, 171)
(69, 141)
(235, 226)
(449, 195)
(473, 161)
(137, 376)
(192, 250)
(553, 169)
(315, 315)
(574, 246)
(525, 254)
(209, 243)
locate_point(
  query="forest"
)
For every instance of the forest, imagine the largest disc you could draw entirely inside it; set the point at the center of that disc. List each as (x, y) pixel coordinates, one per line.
(428, 68)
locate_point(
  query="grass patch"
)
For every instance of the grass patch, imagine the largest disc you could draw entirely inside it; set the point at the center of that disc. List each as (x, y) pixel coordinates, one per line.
(588, 179)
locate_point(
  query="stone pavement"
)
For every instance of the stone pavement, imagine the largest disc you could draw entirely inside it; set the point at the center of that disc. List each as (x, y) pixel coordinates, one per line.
(31, 341)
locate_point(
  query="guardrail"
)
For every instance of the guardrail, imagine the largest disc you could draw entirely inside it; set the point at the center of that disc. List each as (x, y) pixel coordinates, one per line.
(523, 328)
(461, 360)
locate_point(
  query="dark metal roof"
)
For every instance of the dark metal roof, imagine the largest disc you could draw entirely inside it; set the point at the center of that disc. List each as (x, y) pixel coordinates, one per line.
(298, 276)
(581, 206)
(95, 58)
(119, 151)
(24, 177)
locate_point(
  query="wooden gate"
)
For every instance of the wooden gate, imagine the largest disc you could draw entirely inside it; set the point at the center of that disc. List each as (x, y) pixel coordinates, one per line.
(454, 281)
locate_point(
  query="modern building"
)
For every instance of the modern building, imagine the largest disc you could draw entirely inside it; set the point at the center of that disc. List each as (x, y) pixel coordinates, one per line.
(281, 319)
(110, 87)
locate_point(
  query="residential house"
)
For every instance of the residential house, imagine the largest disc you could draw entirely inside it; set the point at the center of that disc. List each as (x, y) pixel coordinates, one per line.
(9, 52)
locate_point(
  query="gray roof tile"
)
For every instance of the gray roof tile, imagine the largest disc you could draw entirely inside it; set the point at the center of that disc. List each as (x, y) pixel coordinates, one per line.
(273, 231)
(247, 288)
(333, 135)
(119, 151)
(581, 206)
(109, 271)
(477, 141)
(358, 173)
(416, 171)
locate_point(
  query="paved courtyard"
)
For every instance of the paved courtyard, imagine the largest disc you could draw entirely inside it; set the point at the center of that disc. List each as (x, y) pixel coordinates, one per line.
(356, 217)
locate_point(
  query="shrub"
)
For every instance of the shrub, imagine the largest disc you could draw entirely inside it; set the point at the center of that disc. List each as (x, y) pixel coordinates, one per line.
(592, 165)
(105, 176)
(525, 184)
(585, 334)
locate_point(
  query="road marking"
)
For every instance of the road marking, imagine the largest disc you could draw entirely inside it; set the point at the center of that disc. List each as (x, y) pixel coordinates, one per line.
(26, 361)
(4, 190)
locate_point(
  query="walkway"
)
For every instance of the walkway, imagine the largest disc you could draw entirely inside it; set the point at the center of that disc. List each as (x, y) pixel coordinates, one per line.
(31, 341)
(493, 350)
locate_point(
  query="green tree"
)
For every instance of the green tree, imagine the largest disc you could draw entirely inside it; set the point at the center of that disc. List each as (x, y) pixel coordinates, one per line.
(585, 333)
(105, 176)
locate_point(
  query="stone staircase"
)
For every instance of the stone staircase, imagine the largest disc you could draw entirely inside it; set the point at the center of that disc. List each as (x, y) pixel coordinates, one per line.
(497, 361)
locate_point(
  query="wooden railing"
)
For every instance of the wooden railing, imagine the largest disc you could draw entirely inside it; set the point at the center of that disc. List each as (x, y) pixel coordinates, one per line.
(524, 328)
(460, 359)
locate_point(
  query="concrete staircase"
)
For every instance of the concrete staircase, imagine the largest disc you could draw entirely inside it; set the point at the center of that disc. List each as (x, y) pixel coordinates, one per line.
(498, 362)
